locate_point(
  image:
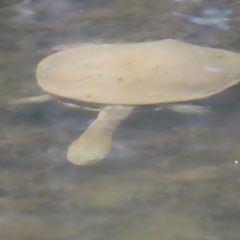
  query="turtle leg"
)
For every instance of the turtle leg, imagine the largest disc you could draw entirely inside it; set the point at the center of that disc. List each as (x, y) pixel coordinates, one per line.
(186, 108)
(33, 100)
(95, 143)
(189, 108)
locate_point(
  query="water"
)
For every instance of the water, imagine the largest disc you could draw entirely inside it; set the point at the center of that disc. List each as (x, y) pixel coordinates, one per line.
(169, 176)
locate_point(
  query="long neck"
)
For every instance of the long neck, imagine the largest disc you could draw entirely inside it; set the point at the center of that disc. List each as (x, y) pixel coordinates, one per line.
(95, 143)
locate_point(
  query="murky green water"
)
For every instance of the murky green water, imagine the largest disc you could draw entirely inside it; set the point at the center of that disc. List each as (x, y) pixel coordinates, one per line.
(169, 176)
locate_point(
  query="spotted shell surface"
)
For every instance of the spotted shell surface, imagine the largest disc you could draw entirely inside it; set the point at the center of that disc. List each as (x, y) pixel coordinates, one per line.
(139, 73)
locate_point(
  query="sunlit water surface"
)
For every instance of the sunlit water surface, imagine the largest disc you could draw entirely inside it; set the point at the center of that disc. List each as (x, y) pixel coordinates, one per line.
(169, 176)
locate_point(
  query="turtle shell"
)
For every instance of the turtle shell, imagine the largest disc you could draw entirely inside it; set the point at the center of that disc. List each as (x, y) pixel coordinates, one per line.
(139, 73)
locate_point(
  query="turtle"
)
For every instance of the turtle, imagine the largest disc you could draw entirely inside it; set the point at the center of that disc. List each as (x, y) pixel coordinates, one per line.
(121, 76)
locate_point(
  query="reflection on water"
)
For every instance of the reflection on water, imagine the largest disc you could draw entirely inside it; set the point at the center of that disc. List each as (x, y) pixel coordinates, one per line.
(169, 176)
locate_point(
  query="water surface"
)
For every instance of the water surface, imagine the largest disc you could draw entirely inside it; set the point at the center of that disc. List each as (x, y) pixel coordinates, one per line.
(169, 176)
